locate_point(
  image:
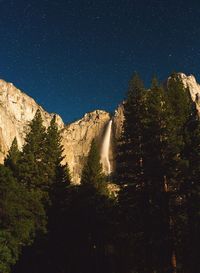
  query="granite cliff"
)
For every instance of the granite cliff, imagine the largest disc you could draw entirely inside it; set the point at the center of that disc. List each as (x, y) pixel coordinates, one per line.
(78, 136)
(17, 109)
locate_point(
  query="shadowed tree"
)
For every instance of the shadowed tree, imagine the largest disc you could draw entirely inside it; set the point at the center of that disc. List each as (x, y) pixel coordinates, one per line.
(20, 216)
(92, 174)
(190, 194)
(12, 157)
(130, 176)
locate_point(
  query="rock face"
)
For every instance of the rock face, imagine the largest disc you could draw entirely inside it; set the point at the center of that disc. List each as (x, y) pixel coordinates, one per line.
(77, 138)
(194, 88)
(17, 110)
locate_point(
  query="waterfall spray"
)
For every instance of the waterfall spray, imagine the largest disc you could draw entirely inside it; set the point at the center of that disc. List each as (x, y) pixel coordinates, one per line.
(105, 149)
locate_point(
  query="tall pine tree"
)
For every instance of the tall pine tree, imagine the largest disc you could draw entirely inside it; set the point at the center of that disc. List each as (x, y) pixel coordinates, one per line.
(13, 157)
(92, 174)
(32, 170)
(20, 216)
(190, 196)
(160, 157)
(130, 175)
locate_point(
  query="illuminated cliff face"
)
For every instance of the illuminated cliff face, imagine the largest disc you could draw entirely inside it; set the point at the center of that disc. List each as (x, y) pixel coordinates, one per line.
(78, 136)
(194, 88)
(17, 109)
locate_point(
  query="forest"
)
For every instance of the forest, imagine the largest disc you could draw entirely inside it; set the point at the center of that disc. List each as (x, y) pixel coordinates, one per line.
(152, 224)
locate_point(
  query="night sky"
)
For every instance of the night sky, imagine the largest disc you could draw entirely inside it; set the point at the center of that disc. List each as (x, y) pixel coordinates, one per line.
(76, 56)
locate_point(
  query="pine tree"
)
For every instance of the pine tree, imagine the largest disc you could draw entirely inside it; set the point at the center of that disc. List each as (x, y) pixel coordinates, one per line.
(54, 150)
(129, 153)
(181, 104)
(32, 170)
(190, 193)
(89, 207)
(182, 108)
(12, 157)
(92, 174)
(160, 158)
(20, 216)
(32, 173)
(149, 168)
(130, 175)
(58, 173)
(50, 248)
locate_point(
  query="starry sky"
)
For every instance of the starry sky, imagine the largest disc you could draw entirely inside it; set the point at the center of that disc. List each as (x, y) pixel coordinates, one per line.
(76, 56)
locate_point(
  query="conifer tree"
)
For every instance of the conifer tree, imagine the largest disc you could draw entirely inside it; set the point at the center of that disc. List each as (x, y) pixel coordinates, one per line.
(130, 175)
(32, 173)
(190, 194)
(129, 153)
(182, 111)
(92, 213)
(58, 173)
(54, 150)
(92, 174)
(50, 248)
(20, 216)
(12, 157)
(31, 166)
(181, 104)
(160, 158)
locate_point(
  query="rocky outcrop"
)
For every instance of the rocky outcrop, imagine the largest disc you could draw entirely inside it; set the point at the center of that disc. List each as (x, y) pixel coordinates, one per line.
(194, 88)
(77, 138)
(16, 111)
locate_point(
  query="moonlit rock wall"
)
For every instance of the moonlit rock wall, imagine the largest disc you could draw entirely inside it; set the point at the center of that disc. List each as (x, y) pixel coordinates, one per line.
(77, 138)
(17, 109)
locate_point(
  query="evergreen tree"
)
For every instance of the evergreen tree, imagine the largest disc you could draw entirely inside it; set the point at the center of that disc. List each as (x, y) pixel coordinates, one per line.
(160, 161)
(180, 103)
(32, 173)
(46, 252)
(129, 153)
(32, 170)
(190, 194)
(54, 150)
(12, 157)
(92, 174)
(130, 175)
(89, 207)
(149, 166)
(182, 108)
(60, 189)
(58, 173)
(20, 216)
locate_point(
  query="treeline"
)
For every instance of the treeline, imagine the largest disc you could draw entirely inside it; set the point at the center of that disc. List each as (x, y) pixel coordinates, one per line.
(158, 168)
(28, 180)
(152, 225)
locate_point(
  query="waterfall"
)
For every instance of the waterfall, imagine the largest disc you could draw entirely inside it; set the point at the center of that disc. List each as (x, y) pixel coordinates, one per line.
(105, 149)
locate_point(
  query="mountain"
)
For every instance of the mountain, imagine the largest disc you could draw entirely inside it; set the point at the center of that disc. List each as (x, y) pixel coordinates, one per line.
(17, 109)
